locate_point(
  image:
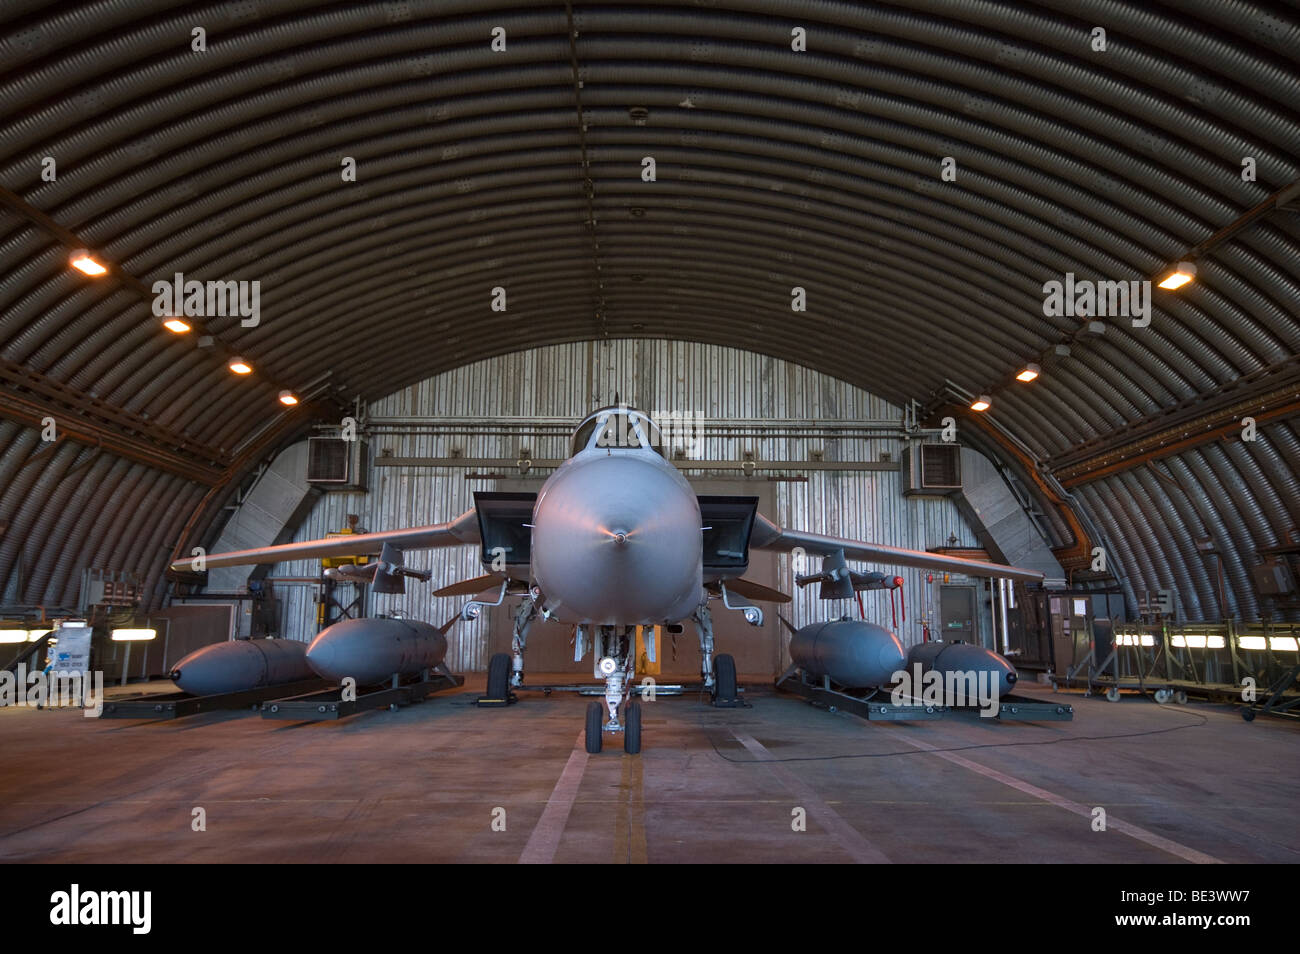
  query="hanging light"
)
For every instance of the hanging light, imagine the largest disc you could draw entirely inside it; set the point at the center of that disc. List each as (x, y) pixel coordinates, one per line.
(1030, 372)
(982, 403)
(240, 366)
(82, 261)
(1183, 273)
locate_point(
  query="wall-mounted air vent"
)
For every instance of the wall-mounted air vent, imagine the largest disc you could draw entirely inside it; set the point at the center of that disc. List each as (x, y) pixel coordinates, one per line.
(931, 469)
(337, 464)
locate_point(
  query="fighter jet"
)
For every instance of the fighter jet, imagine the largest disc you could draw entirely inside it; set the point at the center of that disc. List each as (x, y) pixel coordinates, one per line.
(615, 539)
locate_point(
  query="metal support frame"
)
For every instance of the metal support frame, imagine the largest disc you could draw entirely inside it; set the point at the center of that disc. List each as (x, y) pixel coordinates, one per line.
(177, 705)
(1011, 708)
(329, 704)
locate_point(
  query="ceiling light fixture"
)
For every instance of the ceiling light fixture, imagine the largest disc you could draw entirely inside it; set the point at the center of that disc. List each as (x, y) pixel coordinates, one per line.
(1183, 273)
(82, 261)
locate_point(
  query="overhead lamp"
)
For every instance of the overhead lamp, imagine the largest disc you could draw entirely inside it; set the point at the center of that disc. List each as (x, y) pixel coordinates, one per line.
(13, 635)
(82, 261)
(982, 403)
(1183, 273)
(240, 366)
(132, 635)
(1251, 642)
(288, 398)
(35, 634)
(176, 326)
(1030, 372)
(1286, 644)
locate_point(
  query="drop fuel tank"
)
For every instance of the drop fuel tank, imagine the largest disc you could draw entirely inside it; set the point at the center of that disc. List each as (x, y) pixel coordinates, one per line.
(241, 664)
(964, 659)
(853, 653)
(372, 650)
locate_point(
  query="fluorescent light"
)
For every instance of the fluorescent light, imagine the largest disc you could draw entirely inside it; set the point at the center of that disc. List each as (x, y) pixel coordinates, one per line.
(240, 366)
(982, 403)
(132, 635)
(1030, 372)
(13, 635)
(1251, 642)
(35, 634)
(288, 399)
(1183, 273)
(1136, 639)
(1286, 644)
(176, 326)
(82, 261)
(1196, 641)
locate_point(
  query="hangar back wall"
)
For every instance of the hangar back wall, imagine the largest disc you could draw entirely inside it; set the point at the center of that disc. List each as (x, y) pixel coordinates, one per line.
(766, 399)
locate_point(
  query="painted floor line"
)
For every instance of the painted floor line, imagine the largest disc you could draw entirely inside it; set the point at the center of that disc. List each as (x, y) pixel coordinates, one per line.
(845, 835)
(1112, 824)
(545, 839)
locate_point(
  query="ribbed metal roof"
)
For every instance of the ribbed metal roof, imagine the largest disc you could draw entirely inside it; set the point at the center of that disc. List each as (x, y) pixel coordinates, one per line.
(522, 168)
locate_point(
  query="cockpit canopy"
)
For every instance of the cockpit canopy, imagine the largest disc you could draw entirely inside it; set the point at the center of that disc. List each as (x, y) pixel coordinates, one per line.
(618, 426)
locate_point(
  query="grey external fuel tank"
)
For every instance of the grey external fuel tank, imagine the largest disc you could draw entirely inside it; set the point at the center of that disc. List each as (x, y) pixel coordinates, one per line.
(241, 664)
(372, 650)
(853, 653)
(963, 658)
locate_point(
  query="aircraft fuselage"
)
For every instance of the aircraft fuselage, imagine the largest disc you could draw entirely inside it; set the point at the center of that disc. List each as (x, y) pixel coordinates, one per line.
(617, 539)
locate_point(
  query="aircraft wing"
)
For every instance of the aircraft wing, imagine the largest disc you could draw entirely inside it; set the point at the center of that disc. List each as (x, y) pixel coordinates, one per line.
(768, 536)
(462, 530)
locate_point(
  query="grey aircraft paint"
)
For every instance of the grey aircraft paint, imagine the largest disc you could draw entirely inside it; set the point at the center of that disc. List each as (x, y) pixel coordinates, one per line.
(241, 664)
(852, 652)
(962, 658)
(372, 650)
(617, 538)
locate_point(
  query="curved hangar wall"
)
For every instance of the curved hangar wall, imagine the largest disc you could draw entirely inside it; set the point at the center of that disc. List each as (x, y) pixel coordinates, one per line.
(765, 403)
(522, 168)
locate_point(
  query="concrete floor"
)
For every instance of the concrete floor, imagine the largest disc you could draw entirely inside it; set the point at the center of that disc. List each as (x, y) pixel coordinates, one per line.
(424, 784)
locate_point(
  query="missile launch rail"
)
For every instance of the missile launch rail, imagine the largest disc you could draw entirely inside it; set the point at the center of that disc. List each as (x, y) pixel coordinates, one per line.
(177, 705)
(330, 704)
(877, 706)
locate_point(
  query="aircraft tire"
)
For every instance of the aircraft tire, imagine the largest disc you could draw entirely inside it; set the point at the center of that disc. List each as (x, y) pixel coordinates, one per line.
(498, 680)
(632, 728)
(595, 726)
(724, 678)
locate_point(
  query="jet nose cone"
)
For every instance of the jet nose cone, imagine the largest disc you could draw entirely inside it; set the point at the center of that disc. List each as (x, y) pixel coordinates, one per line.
(617, 540)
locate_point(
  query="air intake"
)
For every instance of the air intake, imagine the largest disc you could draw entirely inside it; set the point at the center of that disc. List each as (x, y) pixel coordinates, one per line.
(336, 463)
(931, 469)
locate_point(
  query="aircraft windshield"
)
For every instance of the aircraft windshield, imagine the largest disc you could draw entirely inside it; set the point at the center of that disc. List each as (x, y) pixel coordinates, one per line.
(621, 428)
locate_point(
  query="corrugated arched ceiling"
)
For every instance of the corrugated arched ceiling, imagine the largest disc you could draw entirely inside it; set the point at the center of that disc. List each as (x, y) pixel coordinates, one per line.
(523, 169)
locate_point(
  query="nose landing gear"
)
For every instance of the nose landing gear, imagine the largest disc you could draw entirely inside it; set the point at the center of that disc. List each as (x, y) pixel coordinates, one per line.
(614, 649)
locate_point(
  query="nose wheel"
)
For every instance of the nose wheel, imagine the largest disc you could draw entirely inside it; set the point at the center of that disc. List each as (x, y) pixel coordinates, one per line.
(631, 727)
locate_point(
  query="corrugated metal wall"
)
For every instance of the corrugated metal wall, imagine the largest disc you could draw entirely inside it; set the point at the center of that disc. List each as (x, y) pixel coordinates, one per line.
(566, 381)
(818, 169)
